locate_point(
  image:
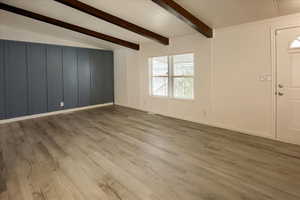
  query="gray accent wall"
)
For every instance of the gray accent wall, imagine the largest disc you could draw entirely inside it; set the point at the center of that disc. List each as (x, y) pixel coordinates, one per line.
(16, 90)
(109, 72)
(54, 77)
(2, 87)
(97, 78)
(84, 78)
(70, 77)
(39, 78)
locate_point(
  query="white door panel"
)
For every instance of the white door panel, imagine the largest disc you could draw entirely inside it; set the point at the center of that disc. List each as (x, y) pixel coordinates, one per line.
(288, 86)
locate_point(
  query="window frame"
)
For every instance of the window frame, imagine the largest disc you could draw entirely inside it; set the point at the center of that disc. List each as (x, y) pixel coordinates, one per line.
(171, 77)
(162, 76)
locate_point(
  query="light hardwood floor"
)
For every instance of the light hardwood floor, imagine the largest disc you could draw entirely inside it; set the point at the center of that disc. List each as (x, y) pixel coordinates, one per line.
(116, 153)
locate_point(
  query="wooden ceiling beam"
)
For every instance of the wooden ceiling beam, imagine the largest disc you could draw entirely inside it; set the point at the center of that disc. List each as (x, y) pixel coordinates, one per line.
(186, 16)
(69, 26)
(114, 20)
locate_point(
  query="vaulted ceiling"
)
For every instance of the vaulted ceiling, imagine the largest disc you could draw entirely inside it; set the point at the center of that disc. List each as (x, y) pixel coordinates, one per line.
(145, 13)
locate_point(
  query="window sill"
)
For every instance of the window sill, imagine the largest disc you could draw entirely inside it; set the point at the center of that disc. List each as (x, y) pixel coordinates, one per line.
(171, 98)
(182, 99)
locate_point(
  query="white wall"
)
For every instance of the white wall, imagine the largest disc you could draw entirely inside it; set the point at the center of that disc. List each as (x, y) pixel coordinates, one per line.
(240, 101)
(241, 55)
(13, 33)
(229, 93)
(127, 78)
(132, 85)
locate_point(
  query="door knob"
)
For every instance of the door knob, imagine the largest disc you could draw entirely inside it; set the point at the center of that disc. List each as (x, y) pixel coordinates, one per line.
(280, 94)
(280, 86)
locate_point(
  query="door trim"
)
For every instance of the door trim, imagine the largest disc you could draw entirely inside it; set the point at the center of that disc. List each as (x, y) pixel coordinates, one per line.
(273, 32)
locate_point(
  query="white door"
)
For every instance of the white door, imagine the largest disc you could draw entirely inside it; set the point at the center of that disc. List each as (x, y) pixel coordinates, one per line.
(288, 85)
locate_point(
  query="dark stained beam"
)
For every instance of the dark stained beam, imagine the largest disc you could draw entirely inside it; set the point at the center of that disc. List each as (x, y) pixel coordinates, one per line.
(186, 16)
(114, 20)
(69, 26)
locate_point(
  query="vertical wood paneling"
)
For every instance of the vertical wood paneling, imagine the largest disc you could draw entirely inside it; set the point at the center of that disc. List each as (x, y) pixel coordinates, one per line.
(97, 76)
(54, 77)
(84, 77)
(16, 79)
(70, 77)
(37, 80)
(2, 89)
(109, 77)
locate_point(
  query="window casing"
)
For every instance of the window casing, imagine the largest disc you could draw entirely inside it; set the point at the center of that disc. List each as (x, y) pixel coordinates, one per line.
(172, 76)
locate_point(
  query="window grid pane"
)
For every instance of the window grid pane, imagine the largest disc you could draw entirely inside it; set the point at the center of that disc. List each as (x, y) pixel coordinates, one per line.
(160, 86)
(183, 65)
(173, 76)
(160, 66)
(183, 88)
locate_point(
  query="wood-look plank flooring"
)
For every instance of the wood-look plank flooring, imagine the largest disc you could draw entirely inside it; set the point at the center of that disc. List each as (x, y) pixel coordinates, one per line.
(117, 153)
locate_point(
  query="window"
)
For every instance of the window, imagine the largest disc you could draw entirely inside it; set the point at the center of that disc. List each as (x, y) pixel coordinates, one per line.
(295, 44)
(160, 76)
(172, 76)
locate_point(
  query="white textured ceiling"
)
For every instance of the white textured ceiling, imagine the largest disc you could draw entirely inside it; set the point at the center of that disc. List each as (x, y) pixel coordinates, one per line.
(286, 7)
(216, 13)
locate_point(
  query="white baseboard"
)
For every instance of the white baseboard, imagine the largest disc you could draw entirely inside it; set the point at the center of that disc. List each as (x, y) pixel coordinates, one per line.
(53, 113)
(244, 131)
(217, 125)
(109, 104)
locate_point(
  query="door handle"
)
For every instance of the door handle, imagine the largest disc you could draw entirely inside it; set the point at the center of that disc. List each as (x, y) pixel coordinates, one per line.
(280, 86)
(279, 93)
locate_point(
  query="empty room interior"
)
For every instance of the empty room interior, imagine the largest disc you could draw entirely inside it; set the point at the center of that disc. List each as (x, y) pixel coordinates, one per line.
(149, 99)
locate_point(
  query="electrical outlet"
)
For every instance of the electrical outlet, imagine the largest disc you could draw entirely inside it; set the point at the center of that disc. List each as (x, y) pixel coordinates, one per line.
(62, 104)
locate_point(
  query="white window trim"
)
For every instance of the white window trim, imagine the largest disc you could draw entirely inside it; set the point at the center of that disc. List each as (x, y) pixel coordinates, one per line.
(151, 77)
(171, 77)
(171, 86)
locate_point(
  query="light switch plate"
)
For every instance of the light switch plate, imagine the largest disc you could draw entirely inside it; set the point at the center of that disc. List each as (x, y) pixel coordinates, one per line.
(265, 77)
